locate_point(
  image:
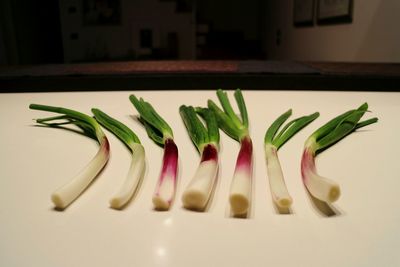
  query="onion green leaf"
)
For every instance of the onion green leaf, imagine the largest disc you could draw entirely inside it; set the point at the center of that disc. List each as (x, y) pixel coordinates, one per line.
(161, 133)
(65, 195)
(327, 135)
(237, 128)
(206, 139)
(137, 167)
(273, 141)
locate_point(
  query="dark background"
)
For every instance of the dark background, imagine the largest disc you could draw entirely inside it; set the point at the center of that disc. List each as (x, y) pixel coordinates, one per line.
(31, 31)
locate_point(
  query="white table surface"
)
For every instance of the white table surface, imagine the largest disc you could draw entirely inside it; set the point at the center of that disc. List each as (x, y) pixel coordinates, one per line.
(35, 161)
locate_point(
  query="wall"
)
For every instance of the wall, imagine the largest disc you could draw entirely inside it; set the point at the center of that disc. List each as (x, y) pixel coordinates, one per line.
(8, 51)
(30, 32)
(234, 15)
(37, 30)
(121, 41)
(3, 58)
(373, 36)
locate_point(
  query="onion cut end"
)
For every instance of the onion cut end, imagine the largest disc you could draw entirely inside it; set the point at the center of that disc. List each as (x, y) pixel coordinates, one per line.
(116, 203)
(284, 202)
(239, 204)
(58, 202)
(194, 199)
(334, 194)
(160, 203)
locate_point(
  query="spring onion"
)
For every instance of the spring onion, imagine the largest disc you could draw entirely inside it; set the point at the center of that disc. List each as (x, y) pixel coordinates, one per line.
(198, 192)
(229, 122)
(65, 195)
(161, 133)
(137, 167)
(339, 127)
(273, 141)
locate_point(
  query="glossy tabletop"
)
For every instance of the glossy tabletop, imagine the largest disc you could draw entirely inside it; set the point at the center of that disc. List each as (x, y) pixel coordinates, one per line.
(361, 229)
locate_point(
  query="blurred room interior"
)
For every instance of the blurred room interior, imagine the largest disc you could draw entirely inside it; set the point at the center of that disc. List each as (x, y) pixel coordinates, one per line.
(67, 31)
(92, 31)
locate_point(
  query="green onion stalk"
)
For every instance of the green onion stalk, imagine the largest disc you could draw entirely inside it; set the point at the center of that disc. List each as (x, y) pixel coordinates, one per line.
(206, 139)
(238, 129)
(273, 141)
(161, 133)
(66, 194)
(138, 164)
(339, 127)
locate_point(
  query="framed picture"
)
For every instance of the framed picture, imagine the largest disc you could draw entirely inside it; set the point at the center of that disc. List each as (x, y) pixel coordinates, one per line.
(101, 12)
(334, 11)
(303, 13)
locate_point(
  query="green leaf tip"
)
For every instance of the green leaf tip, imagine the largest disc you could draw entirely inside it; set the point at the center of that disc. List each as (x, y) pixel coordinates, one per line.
(289, 130)
(273, 129)
(366, 122)
(126, 135)
(226, 105)
(196, 130)
(227, 120)
(211, 123)
(341, 126)
(200, 134)
(242, 107)
(69, 112)
(156, 127)
(88, 124)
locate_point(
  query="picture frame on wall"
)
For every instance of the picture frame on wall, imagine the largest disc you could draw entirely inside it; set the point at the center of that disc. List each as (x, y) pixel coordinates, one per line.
(303, 13)
(334, 11)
